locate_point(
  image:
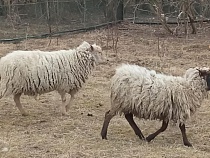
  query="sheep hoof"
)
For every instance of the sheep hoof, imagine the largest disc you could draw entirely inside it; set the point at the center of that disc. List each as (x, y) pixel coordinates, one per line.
(148, 139)
(104, 137)
(142, 138)
(24, 114)
(65, 114)
(188, 144)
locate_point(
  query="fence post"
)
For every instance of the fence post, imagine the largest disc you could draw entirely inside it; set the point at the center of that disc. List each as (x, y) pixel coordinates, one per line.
(114, 10)
(120, 10)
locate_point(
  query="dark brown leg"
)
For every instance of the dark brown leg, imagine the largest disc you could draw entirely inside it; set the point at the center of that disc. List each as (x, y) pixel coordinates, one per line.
(162, 129)
(129, 118)
(108, 116)
(184, 136)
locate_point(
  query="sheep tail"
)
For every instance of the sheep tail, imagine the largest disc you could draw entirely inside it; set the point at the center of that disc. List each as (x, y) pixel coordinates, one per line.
(2, 89)
(1, 94)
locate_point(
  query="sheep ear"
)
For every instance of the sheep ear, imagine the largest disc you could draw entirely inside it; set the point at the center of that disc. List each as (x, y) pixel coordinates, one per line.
(202, 73)
(91, 48)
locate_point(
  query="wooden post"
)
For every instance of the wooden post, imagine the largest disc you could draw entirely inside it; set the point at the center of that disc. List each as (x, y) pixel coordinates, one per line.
(120, 10)
(114, 10)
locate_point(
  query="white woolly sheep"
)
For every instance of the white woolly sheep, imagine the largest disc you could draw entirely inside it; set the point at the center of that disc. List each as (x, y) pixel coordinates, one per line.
(37, 72)
(145, 94)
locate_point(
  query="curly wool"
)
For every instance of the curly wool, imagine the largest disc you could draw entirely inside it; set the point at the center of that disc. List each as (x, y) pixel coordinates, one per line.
(38, 72)
(149, 95)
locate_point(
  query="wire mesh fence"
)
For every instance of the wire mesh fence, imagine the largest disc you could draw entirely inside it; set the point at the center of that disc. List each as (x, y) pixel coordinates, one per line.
(145, 11)
(21, 19)
(25, 18)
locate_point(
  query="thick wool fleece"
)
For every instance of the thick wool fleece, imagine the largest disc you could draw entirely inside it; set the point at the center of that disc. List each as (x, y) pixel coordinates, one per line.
(149, 95)
(38, 72)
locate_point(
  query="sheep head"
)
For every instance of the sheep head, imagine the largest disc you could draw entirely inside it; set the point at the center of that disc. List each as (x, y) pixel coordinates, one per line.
(205, 73)
(84, 46)
(94, 49)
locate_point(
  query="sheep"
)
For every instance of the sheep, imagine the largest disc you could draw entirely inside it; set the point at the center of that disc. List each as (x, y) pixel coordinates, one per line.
(37, 72)
(141, 92)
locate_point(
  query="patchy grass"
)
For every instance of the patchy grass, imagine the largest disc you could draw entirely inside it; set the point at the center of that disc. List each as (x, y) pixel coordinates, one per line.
(46, 133)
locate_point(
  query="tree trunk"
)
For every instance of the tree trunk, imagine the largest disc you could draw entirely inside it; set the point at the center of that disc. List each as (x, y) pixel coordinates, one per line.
(114, 10)
(120, 11)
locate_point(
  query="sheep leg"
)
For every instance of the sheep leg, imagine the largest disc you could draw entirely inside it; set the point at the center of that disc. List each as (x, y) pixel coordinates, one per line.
(63, 105)
(71, 100)
(108, 116)
(18, 104)
(70, 103)
(162, 129)
(184, 136)
(129, 118)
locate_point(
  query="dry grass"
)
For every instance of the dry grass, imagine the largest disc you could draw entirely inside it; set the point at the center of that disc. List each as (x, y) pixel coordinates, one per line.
(45, 133)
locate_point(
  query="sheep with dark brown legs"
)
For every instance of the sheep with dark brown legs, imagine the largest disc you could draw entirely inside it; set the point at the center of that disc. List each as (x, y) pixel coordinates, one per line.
(145, 94)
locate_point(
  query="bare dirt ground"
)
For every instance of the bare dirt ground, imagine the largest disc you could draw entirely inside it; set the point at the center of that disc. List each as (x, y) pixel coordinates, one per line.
(46, 133)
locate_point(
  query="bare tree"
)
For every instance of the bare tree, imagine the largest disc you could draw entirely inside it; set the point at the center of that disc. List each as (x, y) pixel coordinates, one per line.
(185, 9)
(158, 9)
